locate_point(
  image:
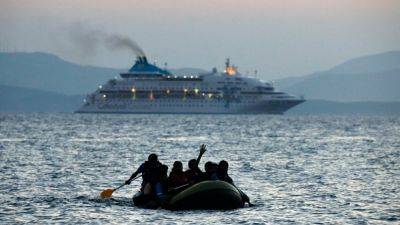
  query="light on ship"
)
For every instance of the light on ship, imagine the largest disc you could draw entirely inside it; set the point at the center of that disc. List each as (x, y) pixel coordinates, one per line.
(230, 70)
(196, 90)
(133, 90)
(185, 91)
(104, 96)
(151, 96)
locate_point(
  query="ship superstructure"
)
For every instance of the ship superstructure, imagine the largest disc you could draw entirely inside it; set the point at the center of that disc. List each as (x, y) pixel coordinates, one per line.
(146, 88)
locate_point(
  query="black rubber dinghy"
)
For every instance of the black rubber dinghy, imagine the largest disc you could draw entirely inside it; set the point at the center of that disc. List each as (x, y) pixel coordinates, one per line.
(203, 195)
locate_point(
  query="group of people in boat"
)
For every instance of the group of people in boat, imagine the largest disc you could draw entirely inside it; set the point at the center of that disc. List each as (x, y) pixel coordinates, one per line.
(158, 184)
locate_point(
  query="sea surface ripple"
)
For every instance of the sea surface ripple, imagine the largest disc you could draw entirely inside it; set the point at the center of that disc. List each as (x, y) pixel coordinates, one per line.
(297, 170)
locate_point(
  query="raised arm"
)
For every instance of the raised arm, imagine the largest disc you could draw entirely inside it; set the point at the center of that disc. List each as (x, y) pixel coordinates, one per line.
(202, 150)
(139, 170)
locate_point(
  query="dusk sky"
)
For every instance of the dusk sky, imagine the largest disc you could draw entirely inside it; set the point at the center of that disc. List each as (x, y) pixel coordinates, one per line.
(279, 38)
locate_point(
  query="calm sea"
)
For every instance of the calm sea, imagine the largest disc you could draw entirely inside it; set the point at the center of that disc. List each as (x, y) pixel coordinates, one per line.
(297, 170)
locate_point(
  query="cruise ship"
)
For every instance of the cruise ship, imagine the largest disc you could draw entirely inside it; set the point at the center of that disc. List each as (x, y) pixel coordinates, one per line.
(146, 88)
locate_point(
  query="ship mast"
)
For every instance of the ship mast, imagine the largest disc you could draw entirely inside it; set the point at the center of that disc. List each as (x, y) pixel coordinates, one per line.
(227, 64)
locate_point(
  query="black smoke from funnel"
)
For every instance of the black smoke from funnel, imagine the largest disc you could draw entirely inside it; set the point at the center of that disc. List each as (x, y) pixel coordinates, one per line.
(89, 40)
(114, 42)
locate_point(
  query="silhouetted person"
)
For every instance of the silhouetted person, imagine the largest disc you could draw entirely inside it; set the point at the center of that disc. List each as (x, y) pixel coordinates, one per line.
(149, 171)
(161, 186)
(222, 172)
(177, 177)
(194, 174)
(211, 169)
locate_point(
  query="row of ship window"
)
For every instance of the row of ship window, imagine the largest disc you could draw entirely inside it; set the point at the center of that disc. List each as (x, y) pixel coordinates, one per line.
(204, 98)
(198, 103)
(193, 86)
(185, 89)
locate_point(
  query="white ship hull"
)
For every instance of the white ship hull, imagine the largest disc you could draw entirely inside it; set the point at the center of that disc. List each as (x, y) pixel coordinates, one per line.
(192, 107)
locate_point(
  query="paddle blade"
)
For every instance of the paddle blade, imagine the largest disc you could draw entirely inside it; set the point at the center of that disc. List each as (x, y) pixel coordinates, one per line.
(106, 193)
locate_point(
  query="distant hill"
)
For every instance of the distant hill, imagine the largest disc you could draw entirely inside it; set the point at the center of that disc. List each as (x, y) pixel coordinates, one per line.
(50, 73)
(18, 99)
(368, 78)
(377, 86)
(370, 64)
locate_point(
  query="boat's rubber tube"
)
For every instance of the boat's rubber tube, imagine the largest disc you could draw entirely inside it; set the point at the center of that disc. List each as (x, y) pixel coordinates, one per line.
(207, 195)
(145, 201)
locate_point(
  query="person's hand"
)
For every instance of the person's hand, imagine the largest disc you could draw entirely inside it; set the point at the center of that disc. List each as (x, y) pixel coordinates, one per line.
(128, 182)
(203, 148)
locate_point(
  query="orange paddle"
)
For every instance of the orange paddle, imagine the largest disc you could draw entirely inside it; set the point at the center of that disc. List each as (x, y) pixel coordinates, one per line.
(108, 192)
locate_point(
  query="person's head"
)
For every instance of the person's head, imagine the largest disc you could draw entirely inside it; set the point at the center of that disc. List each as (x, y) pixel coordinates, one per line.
(177, 167)
(152, 158)
(223, 166)
(210, 167)
(192, 164)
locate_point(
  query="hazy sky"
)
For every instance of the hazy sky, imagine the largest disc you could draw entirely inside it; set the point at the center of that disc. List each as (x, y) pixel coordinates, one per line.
(279, 38)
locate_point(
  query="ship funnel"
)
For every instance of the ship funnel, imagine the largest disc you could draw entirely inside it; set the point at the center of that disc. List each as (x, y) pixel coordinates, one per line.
(142, 66)
(141, 60)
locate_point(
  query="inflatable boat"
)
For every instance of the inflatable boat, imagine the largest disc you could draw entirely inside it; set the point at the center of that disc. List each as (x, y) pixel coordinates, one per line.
(203, 195)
